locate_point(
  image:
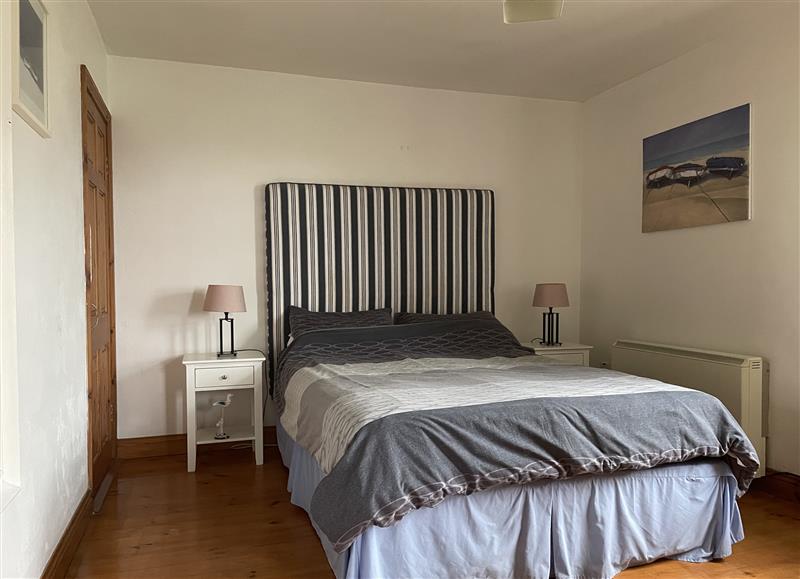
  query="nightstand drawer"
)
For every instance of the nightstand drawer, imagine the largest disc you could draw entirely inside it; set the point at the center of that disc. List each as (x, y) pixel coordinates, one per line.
(577, 354)
(568, 357)
(230, 376)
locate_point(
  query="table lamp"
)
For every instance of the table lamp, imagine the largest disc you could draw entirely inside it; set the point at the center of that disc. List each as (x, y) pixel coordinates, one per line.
(550, 295)
(226, 299)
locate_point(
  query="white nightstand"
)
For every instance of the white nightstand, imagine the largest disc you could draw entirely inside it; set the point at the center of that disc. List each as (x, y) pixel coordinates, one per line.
(208, 373)
(577, 354)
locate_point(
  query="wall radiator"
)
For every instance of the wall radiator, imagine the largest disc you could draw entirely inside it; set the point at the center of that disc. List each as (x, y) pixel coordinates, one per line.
(739, 381)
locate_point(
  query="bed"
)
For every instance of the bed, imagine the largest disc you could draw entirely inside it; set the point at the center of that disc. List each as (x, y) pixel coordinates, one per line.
(447, 449)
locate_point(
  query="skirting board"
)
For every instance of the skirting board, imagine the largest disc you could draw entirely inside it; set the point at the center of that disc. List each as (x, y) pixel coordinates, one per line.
(169, 444)
(59, 562)
(783, 485)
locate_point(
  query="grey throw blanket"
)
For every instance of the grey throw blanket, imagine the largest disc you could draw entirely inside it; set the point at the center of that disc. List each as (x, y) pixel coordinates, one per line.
(400, 417)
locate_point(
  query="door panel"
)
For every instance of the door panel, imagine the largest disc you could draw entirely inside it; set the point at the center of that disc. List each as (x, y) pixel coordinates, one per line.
(99, 241)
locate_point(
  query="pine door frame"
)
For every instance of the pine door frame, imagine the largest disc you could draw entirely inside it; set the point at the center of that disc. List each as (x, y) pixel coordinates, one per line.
(89, 91)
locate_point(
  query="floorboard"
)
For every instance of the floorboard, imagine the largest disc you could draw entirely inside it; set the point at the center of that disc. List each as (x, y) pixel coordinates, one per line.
(233, 519)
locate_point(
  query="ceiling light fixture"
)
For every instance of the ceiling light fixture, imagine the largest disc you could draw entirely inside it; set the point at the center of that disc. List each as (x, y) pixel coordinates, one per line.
(531, 10)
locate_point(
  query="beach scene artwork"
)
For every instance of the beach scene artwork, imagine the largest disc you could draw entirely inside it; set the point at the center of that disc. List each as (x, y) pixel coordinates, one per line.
(698, 173)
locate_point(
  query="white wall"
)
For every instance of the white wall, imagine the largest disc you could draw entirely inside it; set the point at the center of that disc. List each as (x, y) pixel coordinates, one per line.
(194, 146)
(730, 287)
(51, 338)
(9, 402)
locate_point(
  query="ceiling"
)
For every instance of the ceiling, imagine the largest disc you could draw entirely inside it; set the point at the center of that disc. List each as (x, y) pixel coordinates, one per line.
(449, 44)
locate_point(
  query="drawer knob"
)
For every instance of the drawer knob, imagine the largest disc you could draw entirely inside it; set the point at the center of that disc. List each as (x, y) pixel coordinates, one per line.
(223, 377)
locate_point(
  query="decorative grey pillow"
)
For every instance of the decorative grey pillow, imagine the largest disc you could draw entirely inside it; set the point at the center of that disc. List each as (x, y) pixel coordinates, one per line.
(302, 320)
(412, 318)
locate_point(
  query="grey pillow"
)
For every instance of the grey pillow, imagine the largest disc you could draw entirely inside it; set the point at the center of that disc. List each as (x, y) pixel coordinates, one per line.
(302, 320)
(413, 318)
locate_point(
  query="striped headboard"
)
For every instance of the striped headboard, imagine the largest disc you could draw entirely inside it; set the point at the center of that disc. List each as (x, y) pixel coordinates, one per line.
(346, 247)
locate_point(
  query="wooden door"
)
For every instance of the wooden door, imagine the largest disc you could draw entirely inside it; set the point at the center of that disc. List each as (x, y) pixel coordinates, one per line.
(98, 218)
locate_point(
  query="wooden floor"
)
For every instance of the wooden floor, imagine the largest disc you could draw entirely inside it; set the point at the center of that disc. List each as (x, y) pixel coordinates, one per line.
(233, 519)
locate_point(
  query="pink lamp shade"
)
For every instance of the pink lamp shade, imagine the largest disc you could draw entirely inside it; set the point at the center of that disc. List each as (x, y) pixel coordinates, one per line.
(224, 298)
(550, 295)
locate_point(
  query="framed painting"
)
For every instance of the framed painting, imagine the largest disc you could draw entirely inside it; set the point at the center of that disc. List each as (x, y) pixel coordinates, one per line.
(698, 173)
(29, 64)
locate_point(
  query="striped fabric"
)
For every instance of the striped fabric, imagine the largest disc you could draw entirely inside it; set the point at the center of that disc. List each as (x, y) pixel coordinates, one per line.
(343, 248)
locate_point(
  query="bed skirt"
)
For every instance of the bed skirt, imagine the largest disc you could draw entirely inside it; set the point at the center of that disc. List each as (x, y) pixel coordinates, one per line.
(589, 526)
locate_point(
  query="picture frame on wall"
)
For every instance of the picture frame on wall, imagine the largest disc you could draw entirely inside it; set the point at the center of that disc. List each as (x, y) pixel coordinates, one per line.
(29, 98)
(698, 173)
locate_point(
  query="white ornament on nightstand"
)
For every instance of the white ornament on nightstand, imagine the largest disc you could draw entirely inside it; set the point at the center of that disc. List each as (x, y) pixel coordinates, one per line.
(222, 404)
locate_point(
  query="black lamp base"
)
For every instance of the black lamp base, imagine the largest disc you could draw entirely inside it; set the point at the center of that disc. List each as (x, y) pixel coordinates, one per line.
(222, 353)
(550, 330)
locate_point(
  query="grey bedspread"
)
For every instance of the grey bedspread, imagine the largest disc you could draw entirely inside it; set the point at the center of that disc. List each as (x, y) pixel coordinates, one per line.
(400, 417)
